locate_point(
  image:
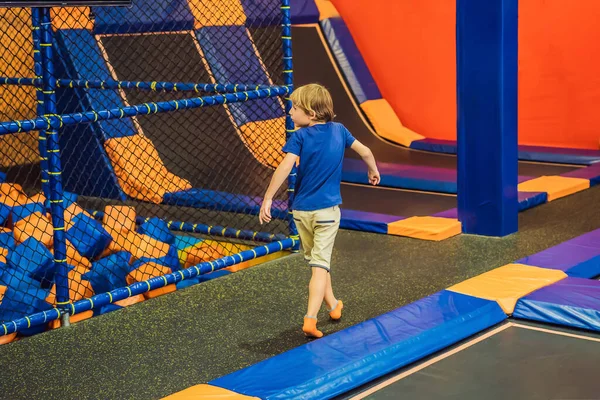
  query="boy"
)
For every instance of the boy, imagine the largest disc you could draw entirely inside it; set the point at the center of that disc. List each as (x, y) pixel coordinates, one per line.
(320, 145)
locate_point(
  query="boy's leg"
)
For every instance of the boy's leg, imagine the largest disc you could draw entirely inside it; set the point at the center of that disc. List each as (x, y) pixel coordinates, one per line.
(304, 226)
(326, 225)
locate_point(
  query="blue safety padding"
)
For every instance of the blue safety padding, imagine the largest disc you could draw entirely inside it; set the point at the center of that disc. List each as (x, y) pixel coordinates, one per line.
(435, 145)
(109, 272)
(591, 173)
(32, 256)
(261, 13)
(571, 302)
(7, 240)
(88, 236)
(24, 211)
(183, 242)
(578, 257)
(144, 16)
(158, 229)
(526, 153)
(82, 152)
(350, 60)
(350, 358)
(432, 179)
(529, 200)
(366, 221)
(223, 201)
(202, 278)
(232, 58)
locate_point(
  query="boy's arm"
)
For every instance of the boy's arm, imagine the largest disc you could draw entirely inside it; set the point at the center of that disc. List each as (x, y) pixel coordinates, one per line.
(367, 155)
(279, 176)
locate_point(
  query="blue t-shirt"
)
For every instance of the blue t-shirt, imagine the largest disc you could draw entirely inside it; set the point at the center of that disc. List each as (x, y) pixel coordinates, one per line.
(321, 150)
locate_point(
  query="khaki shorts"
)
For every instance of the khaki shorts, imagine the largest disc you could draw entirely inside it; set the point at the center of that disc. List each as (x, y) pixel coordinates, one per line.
(318, 230)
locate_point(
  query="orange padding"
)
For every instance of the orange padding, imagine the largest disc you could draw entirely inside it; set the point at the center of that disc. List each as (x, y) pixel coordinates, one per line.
(35, 225)
(326, 9)
(555, 186)
(140, 170)
(71, 18)
(119, 218)
(427, 228)
(147, 271)
(387, 124)
(228, 12)
(509, 283)
(264, 139)
(129, 301)
(72, 319)
(207, 392)
(7, 338)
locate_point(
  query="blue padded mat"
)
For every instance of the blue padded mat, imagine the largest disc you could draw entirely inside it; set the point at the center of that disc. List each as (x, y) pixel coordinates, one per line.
(347, 359)
(571, 302)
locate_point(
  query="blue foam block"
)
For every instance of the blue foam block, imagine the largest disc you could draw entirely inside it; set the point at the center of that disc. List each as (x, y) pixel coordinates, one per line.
(24, 211)
(68, 199)
(19, 303)
(578, 257)
(7, 240)
(350, 358)
(170, 260)
(571, 302)
(32, 256)
(182, 242)
(350, 60)
(158, 229)
(5, 212)
(84, 158)
(228, 47)
(88, 236)
(2, 177)
(366, 221)
(144, 16)
(109, 272)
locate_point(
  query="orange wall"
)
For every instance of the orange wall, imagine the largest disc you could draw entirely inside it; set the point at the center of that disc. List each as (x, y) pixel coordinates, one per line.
(409, 46)
(559, 72)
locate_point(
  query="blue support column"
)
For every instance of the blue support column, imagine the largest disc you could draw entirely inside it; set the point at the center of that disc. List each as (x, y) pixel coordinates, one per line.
(486, 53)
(56, 194)
(288, 80)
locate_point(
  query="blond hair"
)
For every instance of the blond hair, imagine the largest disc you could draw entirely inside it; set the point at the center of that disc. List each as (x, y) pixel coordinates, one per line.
(314, 98)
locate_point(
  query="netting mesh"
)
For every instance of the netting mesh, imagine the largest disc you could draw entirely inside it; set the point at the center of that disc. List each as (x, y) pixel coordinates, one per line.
(132, 183)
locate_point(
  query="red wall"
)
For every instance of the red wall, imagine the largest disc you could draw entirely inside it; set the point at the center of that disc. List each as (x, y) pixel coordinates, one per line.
(409, 46)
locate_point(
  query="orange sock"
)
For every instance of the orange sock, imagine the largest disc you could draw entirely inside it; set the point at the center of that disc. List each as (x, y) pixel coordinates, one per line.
(336, 313)
(310, 327)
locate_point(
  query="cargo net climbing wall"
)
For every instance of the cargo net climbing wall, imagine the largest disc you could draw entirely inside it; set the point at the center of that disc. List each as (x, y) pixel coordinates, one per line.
(154, 129)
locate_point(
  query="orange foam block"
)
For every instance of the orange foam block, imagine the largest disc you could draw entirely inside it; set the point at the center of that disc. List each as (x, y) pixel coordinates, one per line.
(507, 284)
(147, 271)
(555, 186)
(78, 288)
(387, 124)
(35, 225)
(427, 228)
(140, 246)
(207, 392)
(119, 218)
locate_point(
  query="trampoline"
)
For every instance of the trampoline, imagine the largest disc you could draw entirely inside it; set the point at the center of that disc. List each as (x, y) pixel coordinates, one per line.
(515, 360)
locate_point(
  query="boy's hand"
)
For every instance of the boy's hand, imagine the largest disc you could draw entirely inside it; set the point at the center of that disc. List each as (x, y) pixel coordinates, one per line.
(374, 177)
(265, 211)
